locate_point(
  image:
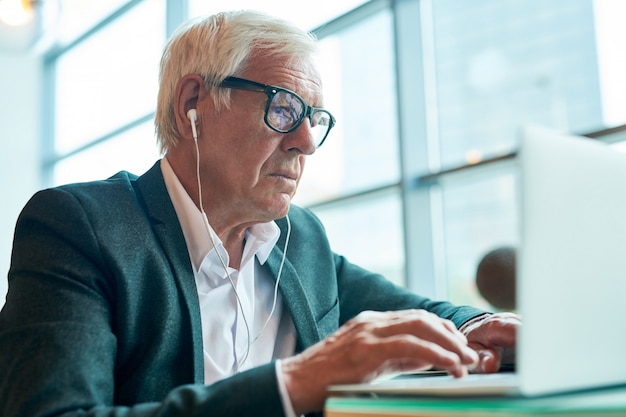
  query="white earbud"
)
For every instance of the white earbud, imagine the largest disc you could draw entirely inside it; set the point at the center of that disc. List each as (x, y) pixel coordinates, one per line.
(192, 116)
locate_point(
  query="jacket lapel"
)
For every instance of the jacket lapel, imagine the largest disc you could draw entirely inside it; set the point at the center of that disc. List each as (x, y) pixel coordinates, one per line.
(167, 229)
(294, 296)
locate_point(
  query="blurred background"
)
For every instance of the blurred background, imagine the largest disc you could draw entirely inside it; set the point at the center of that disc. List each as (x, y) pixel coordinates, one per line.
(415, 182)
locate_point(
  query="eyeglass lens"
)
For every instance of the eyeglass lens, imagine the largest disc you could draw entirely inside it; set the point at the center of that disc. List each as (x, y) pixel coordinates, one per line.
(287, 110)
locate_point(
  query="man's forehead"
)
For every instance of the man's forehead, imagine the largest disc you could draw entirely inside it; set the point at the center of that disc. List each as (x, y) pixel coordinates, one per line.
(297, 74)
(302, 70)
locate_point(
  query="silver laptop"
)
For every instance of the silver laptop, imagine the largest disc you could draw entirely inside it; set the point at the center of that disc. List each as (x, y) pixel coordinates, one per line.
(571, 277)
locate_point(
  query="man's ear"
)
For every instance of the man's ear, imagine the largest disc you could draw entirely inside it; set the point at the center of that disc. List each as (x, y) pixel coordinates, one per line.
(189, 92)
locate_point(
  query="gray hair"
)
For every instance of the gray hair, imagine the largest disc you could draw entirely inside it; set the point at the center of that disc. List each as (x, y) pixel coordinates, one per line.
(216, 47)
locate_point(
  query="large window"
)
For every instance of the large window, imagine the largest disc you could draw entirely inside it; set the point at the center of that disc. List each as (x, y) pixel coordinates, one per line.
(419, 87)
(496, 66)
(104, 96)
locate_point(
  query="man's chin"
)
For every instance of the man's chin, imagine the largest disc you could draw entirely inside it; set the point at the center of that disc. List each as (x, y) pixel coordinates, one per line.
(281, 207)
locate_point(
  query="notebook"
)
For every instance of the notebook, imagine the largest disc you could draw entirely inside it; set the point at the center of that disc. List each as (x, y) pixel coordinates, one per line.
(571, 276)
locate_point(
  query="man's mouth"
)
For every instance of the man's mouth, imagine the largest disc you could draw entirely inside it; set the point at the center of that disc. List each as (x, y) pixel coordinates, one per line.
(285, 175)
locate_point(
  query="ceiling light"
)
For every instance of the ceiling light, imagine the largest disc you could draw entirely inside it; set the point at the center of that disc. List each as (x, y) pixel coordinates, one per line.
(16, 12)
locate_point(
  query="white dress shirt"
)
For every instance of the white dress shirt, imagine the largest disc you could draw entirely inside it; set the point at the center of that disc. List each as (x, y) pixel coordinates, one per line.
(233, 334)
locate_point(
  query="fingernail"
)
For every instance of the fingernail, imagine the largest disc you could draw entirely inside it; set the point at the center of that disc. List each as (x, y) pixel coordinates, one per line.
(486, 357)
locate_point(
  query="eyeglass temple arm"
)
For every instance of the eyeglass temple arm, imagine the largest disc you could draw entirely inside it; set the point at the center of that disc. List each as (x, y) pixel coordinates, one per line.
(241, 84)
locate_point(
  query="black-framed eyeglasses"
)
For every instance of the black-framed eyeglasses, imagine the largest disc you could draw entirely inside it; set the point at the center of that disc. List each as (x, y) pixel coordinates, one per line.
(285, 110)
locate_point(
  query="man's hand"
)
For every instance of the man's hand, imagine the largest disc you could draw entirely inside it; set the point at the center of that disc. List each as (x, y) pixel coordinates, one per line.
(371, 344)
(493, 337)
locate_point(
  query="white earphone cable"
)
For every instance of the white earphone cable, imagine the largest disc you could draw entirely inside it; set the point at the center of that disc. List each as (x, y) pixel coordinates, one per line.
(250, 341)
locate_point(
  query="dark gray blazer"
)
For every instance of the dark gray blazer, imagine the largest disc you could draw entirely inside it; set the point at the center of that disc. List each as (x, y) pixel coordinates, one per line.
(102, 314)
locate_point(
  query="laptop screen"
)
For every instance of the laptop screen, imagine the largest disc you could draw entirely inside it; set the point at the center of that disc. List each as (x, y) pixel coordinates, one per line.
(571, 263)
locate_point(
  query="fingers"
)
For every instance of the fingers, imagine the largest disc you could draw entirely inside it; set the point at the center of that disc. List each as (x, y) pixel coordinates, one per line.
(494, 339)
(489, 361)
(410, 353)
(370, 345)
(421, 324)
(499, 329)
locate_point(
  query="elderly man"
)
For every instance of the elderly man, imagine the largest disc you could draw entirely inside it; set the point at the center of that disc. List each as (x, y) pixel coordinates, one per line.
(197, 288)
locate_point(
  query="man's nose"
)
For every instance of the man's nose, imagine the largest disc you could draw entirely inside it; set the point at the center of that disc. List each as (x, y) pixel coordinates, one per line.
(301, 139)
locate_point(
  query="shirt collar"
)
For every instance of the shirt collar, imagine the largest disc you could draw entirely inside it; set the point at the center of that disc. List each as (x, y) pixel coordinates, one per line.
(260, 238)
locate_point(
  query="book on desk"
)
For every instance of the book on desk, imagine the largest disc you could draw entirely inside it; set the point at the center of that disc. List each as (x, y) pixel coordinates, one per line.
(600, 403)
